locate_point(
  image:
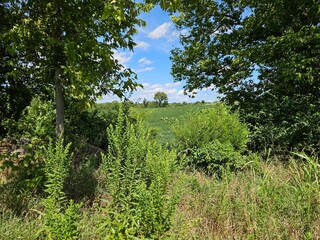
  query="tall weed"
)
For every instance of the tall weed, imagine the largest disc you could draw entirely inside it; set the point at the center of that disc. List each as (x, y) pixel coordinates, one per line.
(60, 216)
(13, 227)
(306, 185)
(138, 172)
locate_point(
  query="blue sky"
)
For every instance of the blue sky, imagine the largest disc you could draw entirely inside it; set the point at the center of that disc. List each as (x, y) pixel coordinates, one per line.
(150, 60)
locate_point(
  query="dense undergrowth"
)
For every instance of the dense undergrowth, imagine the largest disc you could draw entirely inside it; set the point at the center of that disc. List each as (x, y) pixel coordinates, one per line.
(266, 200)
(202, 184)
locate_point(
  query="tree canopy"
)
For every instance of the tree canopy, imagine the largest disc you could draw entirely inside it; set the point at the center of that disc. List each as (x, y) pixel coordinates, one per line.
(70, 45)
(161, 98)
(263, 55)
(15, 92)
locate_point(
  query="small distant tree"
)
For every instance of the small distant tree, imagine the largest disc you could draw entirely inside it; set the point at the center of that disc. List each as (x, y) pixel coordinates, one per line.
(161, 98)
(145, 103)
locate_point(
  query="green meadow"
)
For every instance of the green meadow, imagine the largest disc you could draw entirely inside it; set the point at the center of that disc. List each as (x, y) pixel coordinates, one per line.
(244, 167)
(163, 120)
(143, 188)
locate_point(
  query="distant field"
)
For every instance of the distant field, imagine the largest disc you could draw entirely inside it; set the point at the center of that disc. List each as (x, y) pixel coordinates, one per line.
(163, 119)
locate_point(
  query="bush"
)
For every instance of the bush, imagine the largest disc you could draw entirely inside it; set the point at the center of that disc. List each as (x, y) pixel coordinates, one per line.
(89, 125)
(211, 124)
(283, 125)
(212, 139)
(25, 180)
(25, 159)
(215, 158)
(37, 120)
(138, 172)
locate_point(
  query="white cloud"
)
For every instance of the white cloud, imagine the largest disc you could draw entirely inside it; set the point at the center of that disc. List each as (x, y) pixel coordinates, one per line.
(168, 31)
(173, 90)
(160, 31)
(144, 61)
(143, 45)
(175, 84)
(181, 92)
(150, 89)
(146, 69)
(155, 86)
(122, 57)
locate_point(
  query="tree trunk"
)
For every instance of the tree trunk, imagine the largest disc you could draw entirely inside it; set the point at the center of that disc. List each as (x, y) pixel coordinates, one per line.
(59, 104)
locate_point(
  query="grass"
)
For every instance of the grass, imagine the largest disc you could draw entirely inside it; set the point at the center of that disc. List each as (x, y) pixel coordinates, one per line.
(163, 119)
(14, 227)
(266, 199)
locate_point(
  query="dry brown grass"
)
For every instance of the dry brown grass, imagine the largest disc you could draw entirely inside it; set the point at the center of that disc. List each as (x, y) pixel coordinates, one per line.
(258, 203)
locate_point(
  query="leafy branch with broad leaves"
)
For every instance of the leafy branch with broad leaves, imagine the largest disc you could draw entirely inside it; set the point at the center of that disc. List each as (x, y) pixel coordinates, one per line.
(262, 55)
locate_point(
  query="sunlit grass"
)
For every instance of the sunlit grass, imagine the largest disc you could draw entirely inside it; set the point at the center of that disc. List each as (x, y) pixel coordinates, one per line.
(163, 119)
(265, 200)
(262, 202)
(14, 227)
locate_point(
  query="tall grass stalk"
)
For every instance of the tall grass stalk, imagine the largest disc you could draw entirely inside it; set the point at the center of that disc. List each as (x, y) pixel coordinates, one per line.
(267, 200)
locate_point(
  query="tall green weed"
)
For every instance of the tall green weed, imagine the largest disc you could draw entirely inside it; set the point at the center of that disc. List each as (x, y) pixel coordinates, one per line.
(306, 185)
(138, 172)
(60, 216)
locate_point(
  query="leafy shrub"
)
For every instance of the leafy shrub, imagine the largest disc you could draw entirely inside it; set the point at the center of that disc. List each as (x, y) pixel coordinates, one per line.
(212, 139)
(37, 120)
(89, 125)
(138, 172)
(25, 180)
(32, 133)
(211, 124)
(215, 158)
(282, 124)
(60, 217)
(14, 97)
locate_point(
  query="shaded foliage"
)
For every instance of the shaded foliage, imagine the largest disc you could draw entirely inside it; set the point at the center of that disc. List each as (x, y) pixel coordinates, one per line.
(262, 55)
